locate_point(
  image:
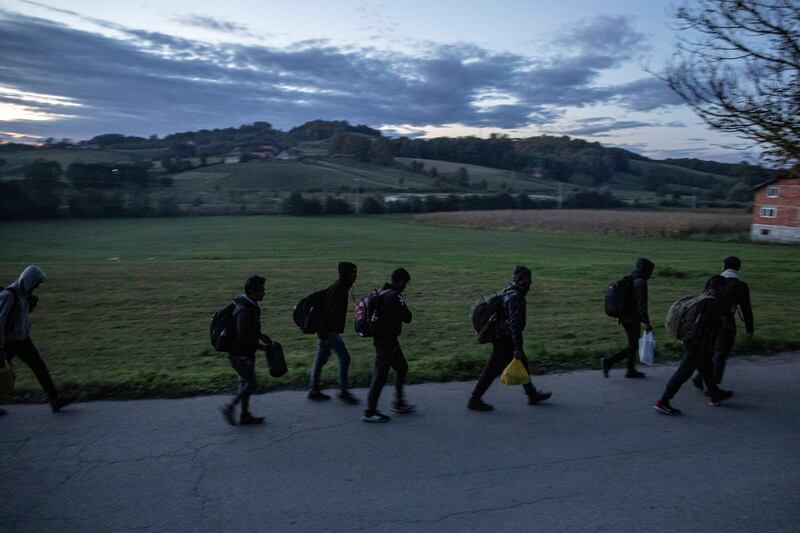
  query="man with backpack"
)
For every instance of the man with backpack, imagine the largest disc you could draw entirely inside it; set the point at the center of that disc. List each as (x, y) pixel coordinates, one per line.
(247, 340)
(16, 303)
(507, 342)
(331, 326)
(706, 323)
(392, 313)
(736, 296)
(633, 293)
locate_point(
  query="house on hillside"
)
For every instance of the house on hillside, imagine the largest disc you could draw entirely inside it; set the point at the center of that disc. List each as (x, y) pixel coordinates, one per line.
(232, 157)
(288, 156)
(776, 215)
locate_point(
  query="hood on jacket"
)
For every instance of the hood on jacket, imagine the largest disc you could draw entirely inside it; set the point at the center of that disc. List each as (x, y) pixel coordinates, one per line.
(31, 277)
(242, 299)
(643, 268)
(347, 272)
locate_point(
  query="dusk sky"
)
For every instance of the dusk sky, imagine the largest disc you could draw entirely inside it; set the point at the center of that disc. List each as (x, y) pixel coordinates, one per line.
(419, 68)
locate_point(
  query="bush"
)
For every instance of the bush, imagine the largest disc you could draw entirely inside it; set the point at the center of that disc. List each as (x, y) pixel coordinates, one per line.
(373, 205)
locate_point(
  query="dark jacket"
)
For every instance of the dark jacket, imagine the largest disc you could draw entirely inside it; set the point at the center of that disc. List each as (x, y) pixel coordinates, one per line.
(334, 310)
(737, 296)
(393, 313)
(710, 319)
(512, 324)
(247, 316)
(637, 310)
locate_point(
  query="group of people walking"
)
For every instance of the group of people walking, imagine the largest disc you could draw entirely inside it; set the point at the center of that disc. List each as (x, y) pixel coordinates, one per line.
(706, 352)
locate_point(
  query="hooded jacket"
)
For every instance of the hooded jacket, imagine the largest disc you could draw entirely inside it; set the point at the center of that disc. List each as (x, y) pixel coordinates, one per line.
(393, 313)
(515, 309)
(15, 322)
(334, 313)
(247, 316)
(638, 311)
(738, 295)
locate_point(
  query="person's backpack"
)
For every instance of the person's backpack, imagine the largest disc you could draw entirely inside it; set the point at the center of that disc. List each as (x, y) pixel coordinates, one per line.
(276, 360)
(13, 292)
(308, 311)
(681, 320)
(619, 297)
(484, 315)
(223, 328)
(366, 315)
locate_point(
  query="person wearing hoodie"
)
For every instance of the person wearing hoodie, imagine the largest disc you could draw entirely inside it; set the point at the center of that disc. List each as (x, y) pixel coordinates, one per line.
(331, 326)
(635, 317)
(698, 350)
(392, 314)
(507, 343)
(16, 303)
(737, 296)
(247, 340)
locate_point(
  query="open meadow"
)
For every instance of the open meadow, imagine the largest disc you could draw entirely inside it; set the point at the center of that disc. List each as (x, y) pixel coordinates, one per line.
(126, 307)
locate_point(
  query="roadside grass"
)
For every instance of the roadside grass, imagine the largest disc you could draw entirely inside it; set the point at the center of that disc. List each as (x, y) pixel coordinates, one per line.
(126, 307)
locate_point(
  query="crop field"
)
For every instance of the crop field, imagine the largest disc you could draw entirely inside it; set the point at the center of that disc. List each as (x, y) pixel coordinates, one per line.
(667, 224)
(126, 307)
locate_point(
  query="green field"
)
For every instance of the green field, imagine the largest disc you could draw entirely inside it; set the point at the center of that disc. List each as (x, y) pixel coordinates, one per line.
(125, 310)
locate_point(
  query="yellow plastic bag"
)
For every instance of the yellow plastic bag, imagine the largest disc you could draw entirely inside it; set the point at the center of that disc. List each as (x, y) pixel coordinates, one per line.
(7, 379)
(515, 373)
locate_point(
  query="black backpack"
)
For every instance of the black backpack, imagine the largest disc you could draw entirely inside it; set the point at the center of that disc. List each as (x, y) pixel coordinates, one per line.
(619, 297)
(276, 360)
(13, 292)
(308, 311)
(484, 315)
(223, 328)
(366, 315)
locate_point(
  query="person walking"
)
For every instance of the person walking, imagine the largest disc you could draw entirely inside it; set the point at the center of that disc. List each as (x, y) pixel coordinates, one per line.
(331, 326)
(635, 317)
(507, 343)
(247, 340)
(17, 301)
(392, 314)
(698, 350)
(736, 297)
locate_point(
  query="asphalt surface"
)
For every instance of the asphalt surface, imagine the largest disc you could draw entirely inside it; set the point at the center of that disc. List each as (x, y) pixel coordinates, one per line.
(597, 457)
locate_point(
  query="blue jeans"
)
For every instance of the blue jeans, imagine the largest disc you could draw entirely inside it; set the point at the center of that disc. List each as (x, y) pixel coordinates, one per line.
(245, 367)
(332, 342)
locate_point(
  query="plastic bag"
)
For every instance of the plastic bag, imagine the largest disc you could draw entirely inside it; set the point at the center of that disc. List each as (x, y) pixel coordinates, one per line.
(647, 348)
(515, 373)
(7, 379)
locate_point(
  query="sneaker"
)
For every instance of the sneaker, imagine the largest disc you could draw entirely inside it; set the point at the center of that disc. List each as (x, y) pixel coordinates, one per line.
(476, 404)
(663, 406)
(61, 402)
(605, 366)
(402, 408)
(227, 413)
(346, 397)
(697, 381)
(374, 416)
(317, 395)
(249, 420)
(634, 374)
(538, 397)
(718, 398)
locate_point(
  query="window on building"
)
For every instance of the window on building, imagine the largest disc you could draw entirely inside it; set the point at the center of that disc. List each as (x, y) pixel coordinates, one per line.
(768, 212)
(772, 192)
(764, 231)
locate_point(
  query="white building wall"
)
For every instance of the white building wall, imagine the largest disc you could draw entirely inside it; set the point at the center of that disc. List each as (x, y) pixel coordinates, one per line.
(765, 232)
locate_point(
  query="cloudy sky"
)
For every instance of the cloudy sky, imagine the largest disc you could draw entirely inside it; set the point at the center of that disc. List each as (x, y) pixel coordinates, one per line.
(417, 67)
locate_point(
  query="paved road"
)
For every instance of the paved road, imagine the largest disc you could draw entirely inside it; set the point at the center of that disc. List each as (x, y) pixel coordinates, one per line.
(597, 458)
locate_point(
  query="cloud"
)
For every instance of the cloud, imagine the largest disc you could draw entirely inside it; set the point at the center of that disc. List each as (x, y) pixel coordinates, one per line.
(211, 23)
(607, 127)
(142, 82)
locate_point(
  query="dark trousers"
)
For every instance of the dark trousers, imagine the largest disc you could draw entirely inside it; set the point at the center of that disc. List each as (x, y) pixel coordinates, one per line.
(697, 354)
(332, 342)
(29, 355)
(388, 355)
(502, 354)
(723, 346)
(633, 331)
(245, 367)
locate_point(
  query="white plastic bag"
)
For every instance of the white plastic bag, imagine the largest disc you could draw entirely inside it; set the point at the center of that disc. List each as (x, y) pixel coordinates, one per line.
(647, 348)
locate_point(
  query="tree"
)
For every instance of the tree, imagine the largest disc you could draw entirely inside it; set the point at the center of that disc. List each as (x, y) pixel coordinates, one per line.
(737, 66)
